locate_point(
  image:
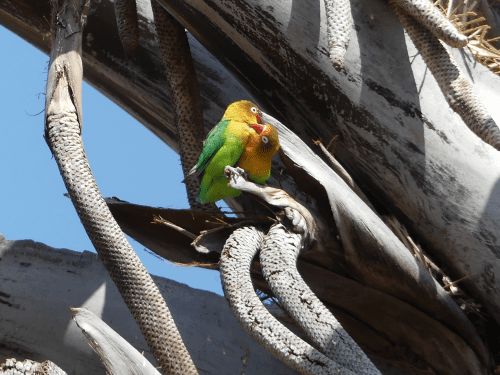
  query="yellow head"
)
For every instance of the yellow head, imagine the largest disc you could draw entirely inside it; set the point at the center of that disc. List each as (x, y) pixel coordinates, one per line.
(244, 111)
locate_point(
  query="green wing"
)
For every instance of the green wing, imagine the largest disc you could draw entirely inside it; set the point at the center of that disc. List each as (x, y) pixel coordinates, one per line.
(214, 142)
(213, 186)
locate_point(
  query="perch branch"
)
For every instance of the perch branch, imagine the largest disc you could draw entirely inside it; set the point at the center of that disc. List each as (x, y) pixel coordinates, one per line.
(300, 218)
(280, 250)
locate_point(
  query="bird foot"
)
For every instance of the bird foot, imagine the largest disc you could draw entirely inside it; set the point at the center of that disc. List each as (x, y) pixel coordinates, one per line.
(292, 213)
(235, 174)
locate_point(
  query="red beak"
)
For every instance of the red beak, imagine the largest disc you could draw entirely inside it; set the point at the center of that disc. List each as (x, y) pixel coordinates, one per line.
(258, 128)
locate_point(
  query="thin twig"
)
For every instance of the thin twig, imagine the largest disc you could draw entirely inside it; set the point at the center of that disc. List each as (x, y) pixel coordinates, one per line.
(453, 283)
(160, 220)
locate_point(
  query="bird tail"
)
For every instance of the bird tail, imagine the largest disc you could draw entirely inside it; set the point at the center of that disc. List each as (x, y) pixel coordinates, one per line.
(191, 174)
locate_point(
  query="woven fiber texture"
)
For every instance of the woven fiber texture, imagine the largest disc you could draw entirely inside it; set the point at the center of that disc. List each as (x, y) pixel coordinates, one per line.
(128, 25)
(181, 76)
(428, 15)
(136, 286)
(278, 258)
(236, 259)
(48, 368)
(339, 24)
(29, 367)
(63, 135)
(456, 88)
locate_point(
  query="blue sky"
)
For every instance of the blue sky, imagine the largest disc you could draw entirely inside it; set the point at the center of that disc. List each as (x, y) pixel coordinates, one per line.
(32, 204)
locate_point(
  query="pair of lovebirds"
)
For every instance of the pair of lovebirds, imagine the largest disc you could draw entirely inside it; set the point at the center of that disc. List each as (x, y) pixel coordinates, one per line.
(239, 139)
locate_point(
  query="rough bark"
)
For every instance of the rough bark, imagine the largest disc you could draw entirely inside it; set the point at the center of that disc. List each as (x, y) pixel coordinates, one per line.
(429, 16)
(29, 367)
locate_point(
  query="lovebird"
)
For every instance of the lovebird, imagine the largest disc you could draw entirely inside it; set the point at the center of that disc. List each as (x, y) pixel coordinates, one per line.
(256, 158)
(238, 137)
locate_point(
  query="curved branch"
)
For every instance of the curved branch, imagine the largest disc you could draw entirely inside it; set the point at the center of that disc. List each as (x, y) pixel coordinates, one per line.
(339, 22)
(236, 259)
(429, 16)
(128, 25)
(278, 257)
(455, 87)
(185, 93)
(62, 127)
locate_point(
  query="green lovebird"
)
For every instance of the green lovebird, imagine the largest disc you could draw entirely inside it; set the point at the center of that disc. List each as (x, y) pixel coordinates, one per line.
(224, 145)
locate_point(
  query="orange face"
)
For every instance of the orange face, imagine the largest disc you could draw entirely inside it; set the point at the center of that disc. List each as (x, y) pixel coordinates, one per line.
(256, 158)
(267, 142)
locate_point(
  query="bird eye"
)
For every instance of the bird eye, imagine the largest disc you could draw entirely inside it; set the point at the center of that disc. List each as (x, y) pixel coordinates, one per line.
(265, 139)
(254, 110)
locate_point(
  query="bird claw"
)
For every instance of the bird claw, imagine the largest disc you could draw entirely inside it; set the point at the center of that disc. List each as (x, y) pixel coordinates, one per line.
(233, 174)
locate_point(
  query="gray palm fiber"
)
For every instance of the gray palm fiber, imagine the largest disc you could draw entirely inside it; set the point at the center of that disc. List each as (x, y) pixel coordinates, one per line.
(48, 368)
(181, 76)
(456, 88)
(236, 259)
(428, 15)
(278, 257)
(339, 24)
(128, 25)
(62, 129)
(29, 367)
(134, 283)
